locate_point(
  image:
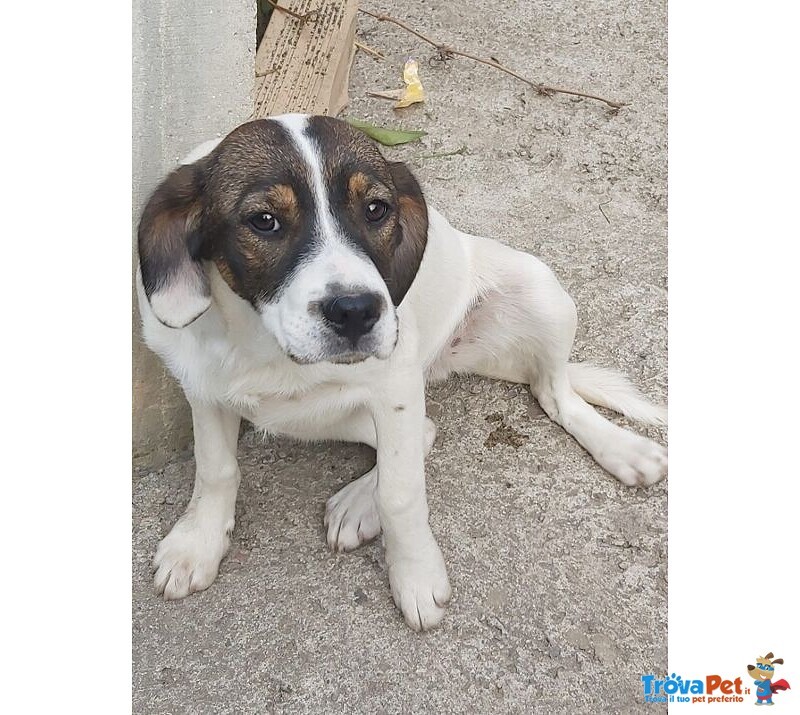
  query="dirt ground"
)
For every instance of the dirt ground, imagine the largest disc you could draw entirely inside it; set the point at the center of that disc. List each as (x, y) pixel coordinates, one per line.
(559, 572)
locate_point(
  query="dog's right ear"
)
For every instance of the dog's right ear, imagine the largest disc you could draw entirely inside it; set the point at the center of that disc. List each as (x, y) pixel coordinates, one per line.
(169, 248)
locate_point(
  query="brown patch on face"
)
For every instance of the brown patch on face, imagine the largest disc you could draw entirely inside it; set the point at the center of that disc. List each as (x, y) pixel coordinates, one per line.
(258, 170)
(284, 199)
(355, 174)
(248, 257)
(380, 237)
(358, 186)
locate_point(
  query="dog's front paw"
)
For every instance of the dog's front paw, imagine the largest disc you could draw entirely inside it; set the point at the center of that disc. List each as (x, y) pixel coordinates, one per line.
(187, 559)
(351, 515)
(420, 586)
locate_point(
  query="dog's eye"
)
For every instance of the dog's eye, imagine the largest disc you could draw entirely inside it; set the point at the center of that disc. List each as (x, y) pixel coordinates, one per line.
(264, 223)
(376, 211)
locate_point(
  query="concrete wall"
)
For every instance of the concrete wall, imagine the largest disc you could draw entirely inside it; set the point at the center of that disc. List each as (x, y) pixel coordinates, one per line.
(192, 80)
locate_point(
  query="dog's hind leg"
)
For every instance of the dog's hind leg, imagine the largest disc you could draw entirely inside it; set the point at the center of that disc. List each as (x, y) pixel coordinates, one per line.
(633, 459)
(522, 329)
(351, 515)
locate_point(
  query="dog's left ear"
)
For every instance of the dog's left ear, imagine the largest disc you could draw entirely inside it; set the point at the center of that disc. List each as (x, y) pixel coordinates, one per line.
(413, 217)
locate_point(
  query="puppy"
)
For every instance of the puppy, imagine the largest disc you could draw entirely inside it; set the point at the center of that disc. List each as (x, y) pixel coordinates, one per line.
(291, 276)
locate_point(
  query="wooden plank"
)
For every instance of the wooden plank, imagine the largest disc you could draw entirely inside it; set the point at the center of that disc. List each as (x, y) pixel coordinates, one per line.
(304, 66)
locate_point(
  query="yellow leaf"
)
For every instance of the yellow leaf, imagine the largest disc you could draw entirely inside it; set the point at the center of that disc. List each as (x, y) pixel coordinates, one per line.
(413, 91)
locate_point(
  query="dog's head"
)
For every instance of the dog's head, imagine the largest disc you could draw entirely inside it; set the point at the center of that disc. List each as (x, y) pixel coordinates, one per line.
(306, 221)
(764, 669)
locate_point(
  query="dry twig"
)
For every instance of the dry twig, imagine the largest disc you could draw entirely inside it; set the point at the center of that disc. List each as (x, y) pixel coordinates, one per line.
(365, 48)
(303, 18)
(438, 155)
(446, 52)
(392, 95)
(600, 206)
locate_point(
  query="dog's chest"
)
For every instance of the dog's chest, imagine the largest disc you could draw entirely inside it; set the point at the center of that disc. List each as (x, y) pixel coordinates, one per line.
(278, 395)
(291, 408)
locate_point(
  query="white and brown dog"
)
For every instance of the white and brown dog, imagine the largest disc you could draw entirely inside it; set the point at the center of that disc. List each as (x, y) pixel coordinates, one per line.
(291, 276)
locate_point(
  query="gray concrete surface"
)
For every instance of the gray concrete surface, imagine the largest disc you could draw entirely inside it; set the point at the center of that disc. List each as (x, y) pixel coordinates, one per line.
(192, 79)
(559, 572)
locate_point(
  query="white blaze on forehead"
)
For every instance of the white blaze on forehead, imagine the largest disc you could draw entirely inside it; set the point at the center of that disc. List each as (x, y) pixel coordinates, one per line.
(296, 125)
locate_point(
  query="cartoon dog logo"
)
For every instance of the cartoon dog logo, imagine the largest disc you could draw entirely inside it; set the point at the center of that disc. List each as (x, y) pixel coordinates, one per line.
(762, 673)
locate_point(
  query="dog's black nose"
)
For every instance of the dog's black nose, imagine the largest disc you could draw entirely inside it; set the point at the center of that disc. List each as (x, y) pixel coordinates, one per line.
(352, 316)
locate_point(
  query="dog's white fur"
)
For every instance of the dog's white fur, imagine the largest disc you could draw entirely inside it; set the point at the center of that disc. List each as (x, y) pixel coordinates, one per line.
(475, 306)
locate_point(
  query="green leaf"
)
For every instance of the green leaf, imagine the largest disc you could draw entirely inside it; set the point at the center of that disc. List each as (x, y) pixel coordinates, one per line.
(387, 137)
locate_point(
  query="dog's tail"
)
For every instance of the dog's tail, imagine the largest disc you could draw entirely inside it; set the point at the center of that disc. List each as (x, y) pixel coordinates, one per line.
(608, 388)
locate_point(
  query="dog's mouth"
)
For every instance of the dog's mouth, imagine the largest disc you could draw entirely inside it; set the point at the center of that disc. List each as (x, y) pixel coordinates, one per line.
(349, 358)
